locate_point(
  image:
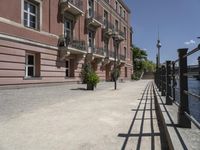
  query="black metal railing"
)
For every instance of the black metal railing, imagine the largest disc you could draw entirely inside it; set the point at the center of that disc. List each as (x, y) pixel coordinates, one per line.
(112, 54)
(166, 77)
(78, 44)
(99, 51)
(121, 33)
(122, 57)
(66, 41)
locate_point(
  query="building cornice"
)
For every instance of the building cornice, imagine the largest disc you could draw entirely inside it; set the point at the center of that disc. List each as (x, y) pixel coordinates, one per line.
(25, 41)
(124, 5)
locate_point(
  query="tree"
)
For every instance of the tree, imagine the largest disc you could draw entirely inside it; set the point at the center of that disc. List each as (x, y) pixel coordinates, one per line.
(140, 62)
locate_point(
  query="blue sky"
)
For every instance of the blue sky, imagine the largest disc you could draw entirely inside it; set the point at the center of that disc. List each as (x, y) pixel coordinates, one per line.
(178, 21)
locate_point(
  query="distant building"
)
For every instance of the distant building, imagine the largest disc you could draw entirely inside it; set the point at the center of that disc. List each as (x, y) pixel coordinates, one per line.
(46, 41)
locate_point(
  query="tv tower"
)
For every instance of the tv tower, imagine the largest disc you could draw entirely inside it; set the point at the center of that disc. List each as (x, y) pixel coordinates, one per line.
(158, 45)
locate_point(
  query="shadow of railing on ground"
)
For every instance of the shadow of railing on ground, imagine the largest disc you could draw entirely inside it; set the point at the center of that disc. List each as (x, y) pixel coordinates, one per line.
(146, 104)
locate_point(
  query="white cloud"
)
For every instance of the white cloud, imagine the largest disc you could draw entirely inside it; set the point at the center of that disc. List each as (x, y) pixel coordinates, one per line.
(144, 49)
(190, 42)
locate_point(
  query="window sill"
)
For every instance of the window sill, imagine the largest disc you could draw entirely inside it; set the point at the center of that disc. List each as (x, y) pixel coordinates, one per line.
(32, 78)
(70, 78)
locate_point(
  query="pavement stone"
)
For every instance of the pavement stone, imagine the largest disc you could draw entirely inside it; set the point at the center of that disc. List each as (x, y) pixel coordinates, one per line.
(67, 117)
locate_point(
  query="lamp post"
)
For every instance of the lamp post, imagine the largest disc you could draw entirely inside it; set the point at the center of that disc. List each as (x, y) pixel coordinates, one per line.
(116, 47)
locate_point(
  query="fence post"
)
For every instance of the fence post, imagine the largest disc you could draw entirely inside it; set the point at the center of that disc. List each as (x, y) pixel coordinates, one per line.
(159, 78)
(163, 81)
(183, 121)
(168, 83)
(174, 81)
(199, 67)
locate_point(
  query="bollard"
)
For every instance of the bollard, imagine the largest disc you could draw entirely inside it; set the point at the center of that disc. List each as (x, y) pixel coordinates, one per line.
(183, 121)
(174, 81)
(168, 83)
(163, 81)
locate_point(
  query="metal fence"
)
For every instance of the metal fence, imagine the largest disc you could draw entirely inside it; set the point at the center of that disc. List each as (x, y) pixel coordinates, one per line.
(166, 77)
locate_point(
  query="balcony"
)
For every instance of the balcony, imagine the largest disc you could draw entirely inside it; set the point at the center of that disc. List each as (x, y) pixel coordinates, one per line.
(119, 35)
(99, 51)
(94, 20)
(111, 55)
(69, 46)
(122, 58)
(108, 29)
(74, 7)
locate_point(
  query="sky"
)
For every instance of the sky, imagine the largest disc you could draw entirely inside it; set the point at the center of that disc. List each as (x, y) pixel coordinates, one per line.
(178, 22)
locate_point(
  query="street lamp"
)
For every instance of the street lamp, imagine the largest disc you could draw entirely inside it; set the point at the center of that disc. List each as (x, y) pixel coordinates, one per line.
(116, 46)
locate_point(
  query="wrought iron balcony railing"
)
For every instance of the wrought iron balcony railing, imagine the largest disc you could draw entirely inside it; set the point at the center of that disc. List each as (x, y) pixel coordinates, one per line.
(99, 51)
(122, 57)
(78, 44)
(112, 54)
(71, 42)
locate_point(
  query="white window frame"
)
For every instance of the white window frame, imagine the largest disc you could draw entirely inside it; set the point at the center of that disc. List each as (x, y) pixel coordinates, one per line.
(27, 65)
(38, 3)
(105, 18)
(91, 8)
(68, 29)
(31, 14)
(67, 60)
(120, 11)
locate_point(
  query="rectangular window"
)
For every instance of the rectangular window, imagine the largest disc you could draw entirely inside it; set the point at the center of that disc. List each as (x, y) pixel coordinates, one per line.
(30, 65)
(67, 67)
(105, 18)
(90, 8)
(31, 18)
(126, 72)
(125, 32)
(120, 11)
(125, 52)
(124, 14)
(91, 39)
(116, 25)
(68, 29)
(116, 6)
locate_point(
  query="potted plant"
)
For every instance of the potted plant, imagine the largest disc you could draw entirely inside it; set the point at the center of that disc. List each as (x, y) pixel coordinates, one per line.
(91, 79)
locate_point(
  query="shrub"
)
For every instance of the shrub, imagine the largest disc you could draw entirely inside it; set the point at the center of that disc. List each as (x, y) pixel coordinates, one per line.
(92, 78)
(86, 69)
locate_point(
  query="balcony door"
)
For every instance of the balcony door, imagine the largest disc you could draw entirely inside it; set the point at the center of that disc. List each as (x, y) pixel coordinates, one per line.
(68, 32)
(105, 19)
(91, 40)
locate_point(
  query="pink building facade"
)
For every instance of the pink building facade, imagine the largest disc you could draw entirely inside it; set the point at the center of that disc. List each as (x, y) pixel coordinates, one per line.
(48, 41)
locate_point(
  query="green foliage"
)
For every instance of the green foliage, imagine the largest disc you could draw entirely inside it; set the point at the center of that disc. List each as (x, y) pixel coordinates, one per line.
(140, 62)
(86, 69)
(88, 75)
(92, 78)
